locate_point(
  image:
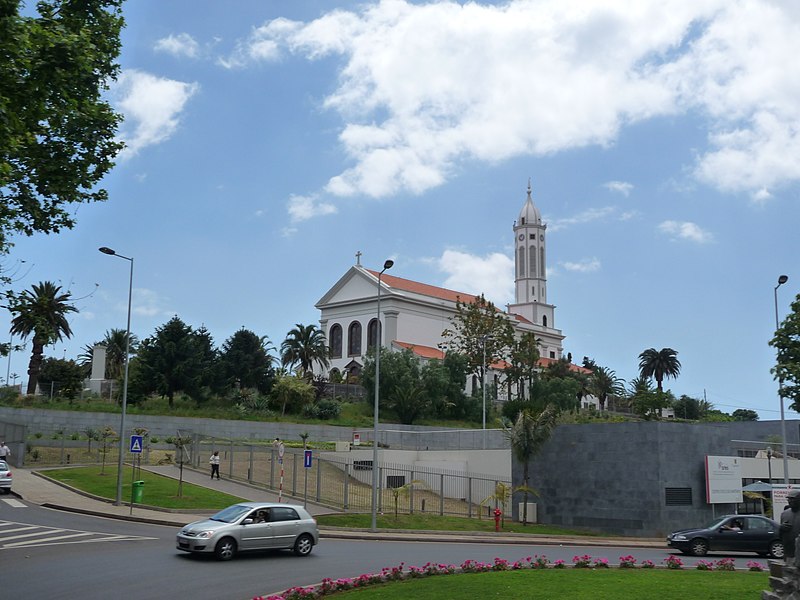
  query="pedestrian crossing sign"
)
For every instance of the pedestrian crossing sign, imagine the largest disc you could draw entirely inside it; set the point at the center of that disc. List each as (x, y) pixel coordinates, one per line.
(136, 444)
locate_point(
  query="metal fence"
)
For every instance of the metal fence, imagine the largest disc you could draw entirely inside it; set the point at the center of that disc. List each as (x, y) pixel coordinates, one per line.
(338, 481)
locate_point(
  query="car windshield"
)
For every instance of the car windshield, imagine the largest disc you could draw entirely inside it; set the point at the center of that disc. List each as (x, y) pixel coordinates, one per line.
(231, 514)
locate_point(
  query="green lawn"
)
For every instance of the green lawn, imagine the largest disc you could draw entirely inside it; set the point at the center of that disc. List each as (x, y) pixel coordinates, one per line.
(426, 522)
(574, 584)
(158, 491)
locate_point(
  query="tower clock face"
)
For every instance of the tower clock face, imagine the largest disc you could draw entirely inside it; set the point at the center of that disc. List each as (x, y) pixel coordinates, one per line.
(521, 236)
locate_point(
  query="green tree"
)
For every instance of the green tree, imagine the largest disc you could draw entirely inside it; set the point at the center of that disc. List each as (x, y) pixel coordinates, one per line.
(527, 434)
(63, 377)
(397, 369)
(292, 394)
(523, 359)
(686, 407)
(744, 414)
(659, 364)
(245, 361)
(604, 383)
(560, 393)
(175, 358)
(303, 347)
(57, 132)
(475, 326)
(41, 311)
(787, 361)
(443, 382)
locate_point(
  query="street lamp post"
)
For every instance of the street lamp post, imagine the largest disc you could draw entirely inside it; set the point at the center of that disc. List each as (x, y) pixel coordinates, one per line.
(769, 464)
(120, 462)
(386, 265)
(781, 280)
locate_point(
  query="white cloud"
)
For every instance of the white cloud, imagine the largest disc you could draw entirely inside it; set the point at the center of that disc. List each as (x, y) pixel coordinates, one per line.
(146, 303)
(182, 44)
(588, 265)
(623, 187)
(302, 208)
(593, 215)
(426, 87)
(152, 106)
(492, 275)
(685, 231)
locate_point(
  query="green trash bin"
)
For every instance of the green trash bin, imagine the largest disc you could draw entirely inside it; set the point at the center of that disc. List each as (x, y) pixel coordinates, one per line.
(136, 493)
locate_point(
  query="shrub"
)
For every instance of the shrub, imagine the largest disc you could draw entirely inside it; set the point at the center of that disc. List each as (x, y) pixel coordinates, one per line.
(627, 562)
(725, 564)
(648, 564)
(704, 565)
(673, 562)
(755, 566)
(559, 564)
(582, 562)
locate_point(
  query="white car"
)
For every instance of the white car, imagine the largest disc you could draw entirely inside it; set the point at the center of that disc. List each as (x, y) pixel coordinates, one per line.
(5, 477)
(251, 526)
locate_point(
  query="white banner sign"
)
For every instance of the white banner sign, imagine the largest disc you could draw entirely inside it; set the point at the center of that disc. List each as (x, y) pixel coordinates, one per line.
(723, 480)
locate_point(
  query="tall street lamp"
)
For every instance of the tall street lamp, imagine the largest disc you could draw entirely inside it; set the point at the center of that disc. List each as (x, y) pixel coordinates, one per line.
(111, 252)
(386, 265)
(781, 280)
(769, 464)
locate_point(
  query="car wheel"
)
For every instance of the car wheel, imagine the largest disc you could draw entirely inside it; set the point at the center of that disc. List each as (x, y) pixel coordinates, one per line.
(776, 550)
(698, 547)
(225, 549)
(303, 545)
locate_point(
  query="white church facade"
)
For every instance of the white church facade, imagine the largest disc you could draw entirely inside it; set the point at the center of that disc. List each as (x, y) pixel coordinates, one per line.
(414, 314)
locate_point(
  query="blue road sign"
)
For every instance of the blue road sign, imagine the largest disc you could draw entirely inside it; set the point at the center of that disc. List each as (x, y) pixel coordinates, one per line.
(136, 444)
(307, 459)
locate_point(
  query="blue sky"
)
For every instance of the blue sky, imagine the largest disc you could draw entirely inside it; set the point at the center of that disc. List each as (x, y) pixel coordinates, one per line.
(268, 142)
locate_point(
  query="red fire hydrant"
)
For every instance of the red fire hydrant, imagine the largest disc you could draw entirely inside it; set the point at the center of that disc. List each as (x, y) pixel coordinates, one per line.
(497, 514)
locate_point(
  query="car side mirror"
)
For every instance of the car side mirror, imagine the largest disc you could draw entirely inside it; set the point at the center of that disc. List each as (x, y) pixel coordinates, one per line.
(248, 521)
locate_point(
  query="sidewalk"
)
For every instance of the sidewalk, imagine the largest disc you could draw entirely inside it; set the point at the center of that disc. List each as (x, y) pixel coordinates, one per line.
(33, 487)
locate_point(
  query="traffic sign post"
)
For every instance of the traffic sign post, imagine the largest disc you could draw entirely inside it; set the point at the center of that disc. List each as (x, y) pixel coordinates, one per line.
(137, 442)
(307, 464)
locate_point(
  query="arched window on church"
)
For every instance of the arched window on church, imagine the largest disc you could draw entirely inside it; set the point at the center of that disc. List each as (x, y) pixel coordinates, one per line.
(544, 320)
(335, 341)
(372, 334)
(532, 261)
(354, 339)
(521, 265)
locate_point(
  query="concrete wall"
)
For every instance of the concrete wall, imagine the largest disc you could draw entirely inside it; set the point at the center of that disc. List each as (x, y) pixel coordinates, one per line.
(613, 476)
(392, 435)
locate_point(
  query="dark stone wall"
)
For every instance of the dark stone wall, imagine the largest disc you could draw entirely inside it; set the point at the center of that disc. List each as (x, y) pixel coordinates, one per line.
(612, 477)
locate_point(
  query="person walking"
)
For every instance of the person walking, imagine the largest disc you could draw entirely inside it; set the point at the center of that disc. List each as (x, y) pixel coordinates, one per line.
(5, 451)
(214, 462)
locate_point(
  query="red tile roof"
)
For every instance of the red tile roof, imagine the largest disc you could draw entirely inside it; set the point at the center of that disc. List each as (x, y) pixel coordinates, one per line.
(421, 351)
(424, 289)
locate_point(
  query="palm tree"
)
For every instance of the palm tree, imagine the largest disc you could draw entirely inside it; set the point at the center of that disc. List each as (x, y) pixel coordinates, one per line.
(41, 311)
(659, 364)
(527, 435)
(604, 383)
(304, 345)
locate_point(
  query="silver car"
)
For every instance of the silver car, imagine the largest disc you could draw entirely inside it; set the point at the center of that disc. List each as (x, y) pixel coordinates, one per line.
(251, 526)
(5, 477)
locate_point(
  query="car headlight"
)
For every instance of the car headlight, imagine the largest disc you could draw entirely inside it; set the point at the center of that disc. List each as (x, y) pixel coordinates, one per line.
(679, 537)
(205, 534)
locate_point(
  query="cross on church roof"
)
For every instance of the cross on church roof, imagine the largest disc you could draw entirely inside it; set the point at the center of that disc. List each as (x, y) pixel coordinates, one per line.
(358, 258)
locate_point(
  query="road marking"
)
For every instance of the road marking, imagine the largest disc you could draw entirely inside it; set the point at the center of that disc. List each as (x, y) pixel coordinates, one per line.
(13, 502)
(12, 536)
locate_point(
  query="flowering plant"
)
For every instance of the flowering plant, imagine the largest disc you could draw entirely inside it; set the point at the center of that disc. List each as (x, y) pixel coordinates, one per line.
(755, 566)
(540, 562)
(673, 562)
(600, 563)
(582, 562)
(647, 564)
(726, 564)
(500, 564)
(704, 565)
(627, 562)
(559, 564)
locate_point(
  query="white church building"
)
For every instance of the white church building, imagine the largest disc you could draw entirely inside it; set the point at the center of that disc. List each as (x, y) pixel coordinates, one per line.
(414, 314)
